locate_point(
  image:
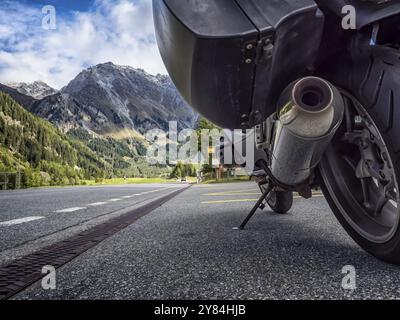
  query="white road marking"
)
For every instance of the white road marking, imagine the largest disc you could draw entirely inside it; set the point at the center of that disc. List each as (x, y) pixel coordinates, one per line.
(19, 221)
(127, 197)
(114, 200)
(70, 209)
(147, 192)
(96, 204)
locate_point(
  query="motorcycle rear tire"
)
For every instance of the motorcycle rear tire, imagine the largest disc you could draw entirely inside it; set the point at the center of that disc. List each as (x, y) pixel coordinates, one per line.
(373, 79)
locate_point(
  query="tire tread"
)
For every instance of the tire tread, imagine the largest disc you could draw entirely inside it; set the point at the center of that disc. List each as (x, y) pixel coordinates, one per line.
(374, 78)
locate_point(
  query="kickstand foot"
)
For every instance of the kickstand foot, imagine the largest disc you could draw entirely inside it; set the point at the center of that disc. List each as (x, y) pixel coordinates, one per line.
(259, 204)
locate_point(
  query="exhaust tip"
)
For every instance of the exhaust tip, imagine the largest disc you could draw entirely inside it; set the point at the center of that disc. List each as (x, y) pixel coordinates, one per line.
(312, 94)
(312, 109)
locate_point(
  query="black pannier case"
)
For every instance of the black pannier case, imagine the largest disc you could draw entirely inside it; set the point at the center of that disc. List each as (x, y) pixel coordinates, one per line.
(231, 59)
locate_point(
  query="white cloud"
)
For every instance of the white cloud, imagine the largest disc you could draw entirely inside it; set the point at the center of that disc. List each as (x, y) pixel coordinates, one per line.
(120, 31)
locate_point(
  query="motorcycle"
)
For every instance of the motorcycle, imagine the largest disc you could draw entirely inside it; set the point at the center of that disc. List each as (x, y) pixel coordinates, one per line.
(322, 97)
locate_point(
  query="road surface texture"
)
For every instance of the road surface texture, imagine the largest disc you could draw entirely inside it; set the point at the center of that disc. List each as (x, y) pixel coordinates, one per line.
(186, 249)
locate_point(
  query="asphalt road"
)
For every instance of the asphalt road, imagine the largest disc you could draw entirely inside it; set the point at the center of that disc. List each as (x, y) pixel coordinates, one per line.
(33, 214)
(186, 249)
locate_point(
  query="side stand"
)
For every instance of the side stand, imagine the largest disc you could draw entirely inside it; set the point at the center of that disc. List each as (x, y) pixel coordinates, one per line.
(259, 204)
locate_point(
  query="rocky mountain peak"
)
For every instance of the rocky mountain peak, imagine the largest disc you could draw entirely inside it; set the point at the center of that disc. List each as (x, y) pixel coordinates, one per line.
(37, 89)
(108, 99)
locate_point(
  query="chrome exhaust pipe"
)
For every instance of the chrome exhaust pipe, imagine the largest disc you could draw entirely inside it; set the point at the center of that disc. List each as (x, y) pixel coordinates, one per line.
(309, 114)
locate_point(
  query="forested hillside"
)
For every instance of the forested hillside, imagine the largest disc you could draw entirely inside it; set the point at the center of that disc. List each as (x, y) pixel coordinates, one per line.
(126, 156)
(43, 154)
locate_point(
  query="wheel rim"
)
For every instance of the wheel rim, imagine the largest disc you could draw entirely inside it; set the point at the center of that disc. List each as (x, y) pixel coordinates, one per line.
(360, 177)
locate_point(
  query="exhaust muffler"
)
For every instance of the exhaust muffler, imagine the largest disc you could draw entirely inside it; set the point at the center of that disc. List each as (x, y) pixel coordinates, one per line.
(309, 114)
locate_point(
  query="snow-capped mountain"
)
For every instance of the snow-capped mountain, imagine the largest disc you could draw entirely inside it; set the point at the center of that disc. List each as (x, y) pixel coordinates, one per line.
(37, 89)
(108, 99)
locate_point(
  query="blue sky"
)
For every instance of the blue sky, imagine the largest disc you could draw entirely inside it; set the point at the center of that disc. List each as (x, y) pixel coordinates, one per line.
(87, 32)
